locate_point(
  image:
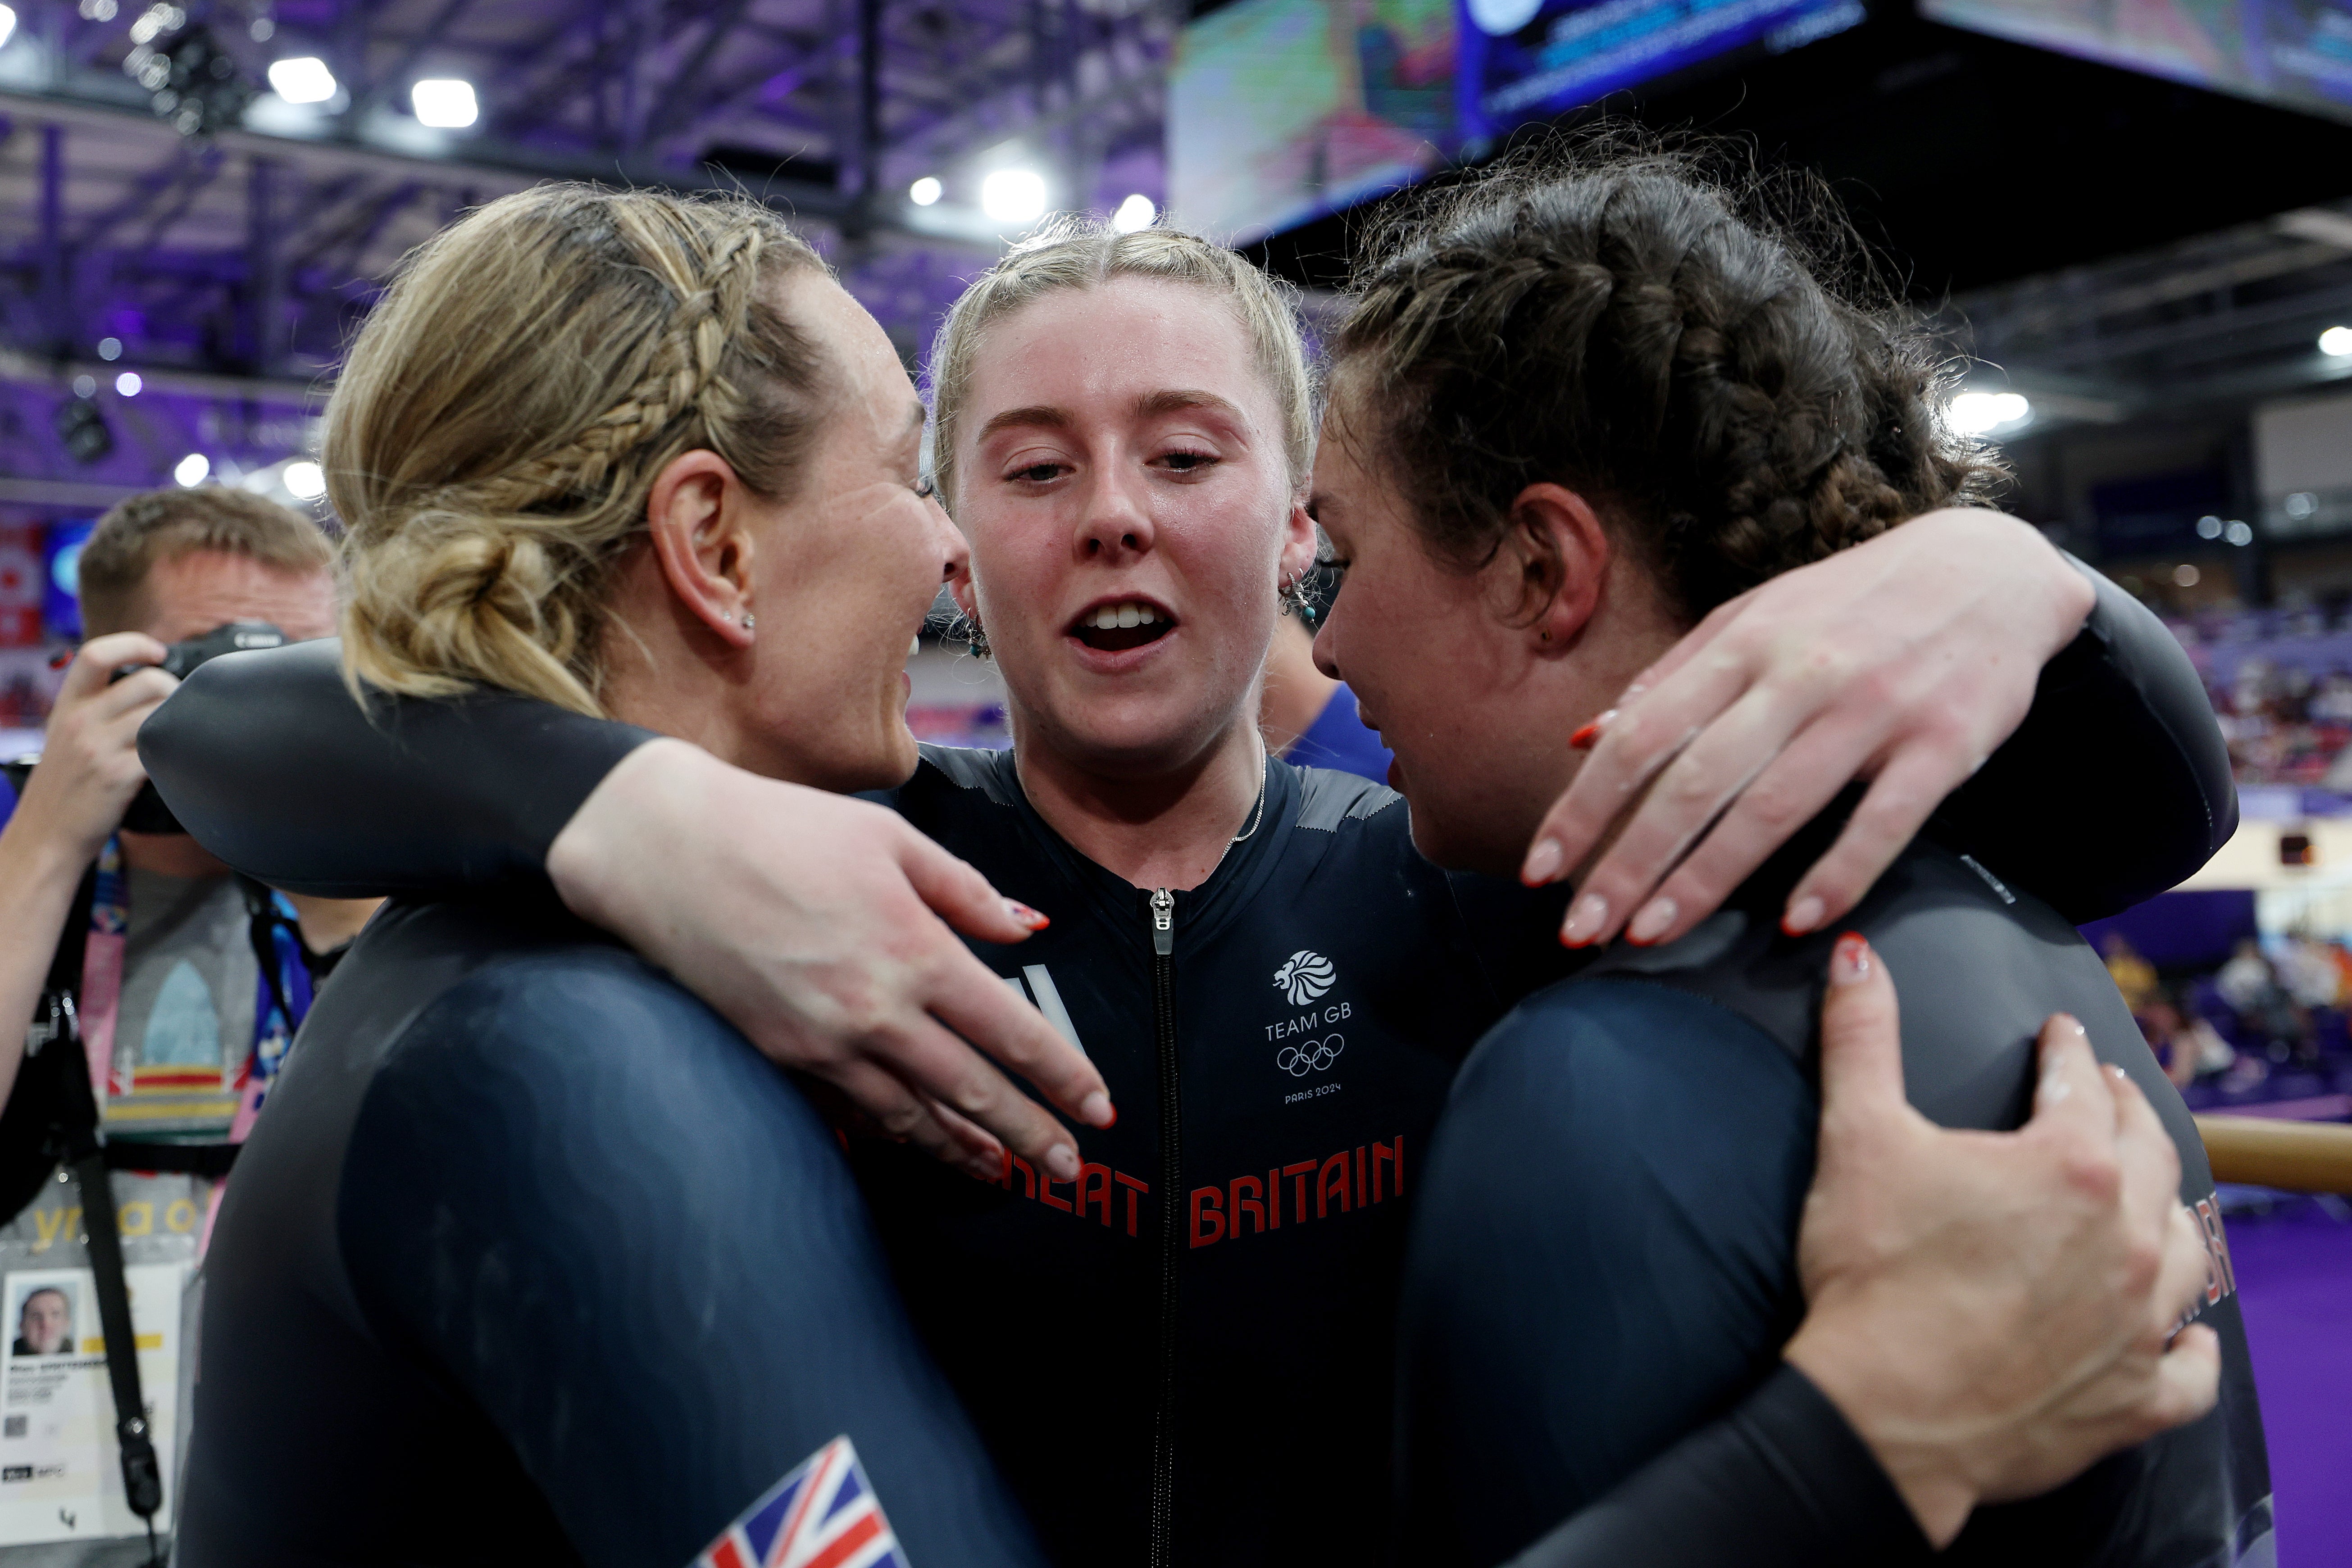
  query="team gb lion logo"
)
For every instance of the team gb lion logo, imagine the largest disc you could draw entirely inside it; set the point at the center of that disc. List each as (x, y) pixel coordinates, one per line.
(1307, 975)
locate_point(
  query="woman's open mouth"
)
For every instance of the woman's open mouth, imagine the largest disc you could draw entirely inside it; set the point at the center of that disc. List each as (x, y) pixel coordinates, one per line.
(1116, 626)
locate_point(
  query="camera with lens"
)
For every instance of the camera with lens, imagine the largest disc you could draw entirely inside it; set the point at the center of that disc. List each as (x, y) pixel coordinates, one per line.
(147, 812)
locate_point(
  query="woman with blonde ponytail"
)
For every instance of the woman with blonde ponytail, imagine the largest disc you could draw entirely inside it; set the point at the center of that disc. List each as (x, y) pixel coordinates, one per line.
(533, 1256)
(492, 474)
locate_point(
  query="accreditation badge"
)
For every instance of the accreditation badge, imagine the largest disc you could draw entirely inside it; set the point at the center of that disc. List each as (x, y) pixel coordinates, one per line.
(60, 1473)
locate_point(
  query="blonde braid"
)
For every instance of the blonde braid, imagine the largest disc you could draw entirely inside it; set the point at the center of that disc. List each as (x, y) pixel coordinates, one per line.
(478, 554)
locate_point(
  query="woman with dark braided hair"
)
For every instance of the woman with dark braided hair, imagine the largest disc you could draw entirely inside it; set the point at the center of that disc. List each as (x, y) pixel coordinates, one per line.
(1574, 410)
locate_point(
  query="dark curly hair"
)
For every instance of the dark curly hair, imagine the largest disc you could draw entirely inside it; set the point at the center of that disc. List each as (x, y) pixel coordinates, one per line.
(1657, 331)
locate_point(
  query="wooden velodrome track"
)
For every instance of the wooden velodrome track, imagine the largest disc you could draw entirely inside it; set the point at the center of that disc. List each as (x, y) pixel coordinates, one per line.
(2295, 1156)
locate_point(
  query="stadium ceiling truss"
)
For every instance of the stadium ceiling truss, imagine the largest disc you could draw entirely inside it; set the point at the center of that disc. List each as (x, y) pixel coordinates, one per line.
(2216, 320)
(163, 213)
(169, 226)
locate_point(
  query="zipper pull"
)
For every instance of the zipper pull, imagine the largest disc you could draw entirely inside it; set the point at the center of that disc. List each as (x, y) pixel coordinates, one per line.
(1163, 922)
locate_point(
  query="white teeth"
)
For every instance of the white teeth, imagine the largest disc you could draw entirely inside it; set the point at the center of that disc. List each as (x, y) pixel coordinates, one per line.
(913, 645)
(1112, 617)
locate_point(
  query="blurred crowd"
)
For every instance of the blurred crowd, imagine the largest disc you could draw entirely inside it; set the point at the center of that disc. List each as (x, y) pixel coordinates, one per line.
(2266, 1025)
(2281, 682)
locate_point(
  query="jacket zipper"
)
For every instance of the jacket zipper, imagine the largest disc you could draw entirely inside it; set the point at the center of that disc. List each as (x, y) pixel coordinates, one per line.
(1163, 1021)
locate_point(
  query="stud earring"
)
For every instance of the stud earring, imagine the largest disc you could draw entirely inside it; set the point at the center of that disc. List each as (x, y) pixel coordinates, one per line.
(747, 622)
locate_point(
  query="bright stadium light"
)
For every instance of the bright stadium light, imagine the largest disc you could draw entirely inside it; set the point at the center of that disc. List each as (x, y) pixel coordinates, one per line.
(304, 79)
(128, 384)
(445, 103)
(7, 24)
(1013, 196)
(925, 190)
(191, 469)
(2337, 342)
(1979, 412)
(304, 481)
(1136, 212)
(1501, 18)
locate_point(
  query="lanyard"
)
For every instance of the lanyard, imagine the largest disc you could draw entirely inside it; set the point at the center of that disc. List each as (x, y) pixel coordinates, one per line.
(282, 992)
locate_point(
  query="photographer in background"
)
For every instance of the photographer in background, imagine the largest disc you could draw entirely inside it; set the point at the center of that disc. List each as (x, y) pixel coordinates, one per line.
(161, 568)
(145, 969)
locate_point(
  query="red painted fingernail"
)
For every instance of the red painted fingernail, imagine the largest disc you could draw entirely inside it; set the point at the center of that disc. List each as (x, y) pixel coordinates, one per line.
(1582, 739)
(62, 657)
(1850, 960)
(1025, 917)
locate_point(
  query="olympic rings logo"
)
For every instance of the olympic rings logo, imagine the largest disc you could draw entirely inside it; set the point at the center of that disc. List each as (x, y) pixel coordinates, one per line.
(1312, 1056)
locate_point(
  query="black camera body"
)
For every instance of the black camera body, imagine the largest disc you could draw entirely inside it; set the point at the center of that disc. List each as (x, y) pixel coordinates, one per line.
(147, 812)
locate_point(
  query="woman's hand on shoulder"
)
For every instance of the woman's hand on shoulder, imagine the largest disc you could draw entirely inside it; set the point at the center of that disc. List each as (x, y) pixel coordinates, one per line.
(1993, 1312)
(1905, 661)
(820, 926)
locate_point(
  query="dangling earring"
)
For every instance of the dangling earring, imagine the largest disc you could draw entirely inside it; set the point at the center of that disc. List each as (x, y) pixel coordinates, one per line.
(1291, 599)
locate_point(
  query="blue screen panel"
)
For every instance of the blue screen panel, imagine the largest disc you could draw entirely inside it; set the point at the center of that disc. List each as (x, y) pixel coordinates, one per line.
(1522, 60)
(2294, 53)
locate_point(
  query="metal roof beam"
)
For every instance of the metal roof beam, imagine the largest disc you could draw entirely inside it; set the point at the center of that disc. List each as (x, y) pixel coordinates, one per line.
(146, 190)
(498, 166)
(2054, 315)
(380, 92)
(2174, 334)
(675, 107)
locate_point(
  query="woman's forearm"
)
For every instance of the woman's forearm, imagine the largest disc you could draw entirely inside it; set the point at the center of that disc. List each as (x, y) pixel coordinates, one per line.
(269, 762)
(1780, 1479)
(2117, 784)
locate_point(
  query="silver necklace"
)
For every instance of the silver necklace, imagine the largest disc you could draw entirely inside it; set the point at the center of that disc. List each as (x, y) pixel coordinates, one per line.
(1258, 812)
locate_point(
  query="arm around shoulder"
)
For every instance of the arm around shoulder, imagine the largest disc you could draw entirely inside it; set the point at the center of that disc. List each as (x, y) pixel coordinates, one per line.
(2117, 784)
(272, 763)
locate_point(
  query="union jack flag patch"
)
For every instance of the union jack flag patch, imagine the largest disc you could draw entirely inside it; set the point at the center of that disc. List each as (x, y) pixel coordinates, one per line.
(824, 1515)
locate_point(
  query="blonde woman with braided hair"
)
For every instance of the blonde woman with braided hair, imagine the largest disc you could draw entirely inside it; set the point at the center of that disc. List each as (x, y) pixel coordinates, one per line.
(1275, 986)
(534, 1257)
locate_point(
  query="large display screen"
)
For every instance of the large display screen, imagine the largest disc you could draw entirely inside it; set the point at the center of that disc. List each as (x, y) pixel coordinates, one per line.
(1281, 111)
(2296, 53)
(1530, 59)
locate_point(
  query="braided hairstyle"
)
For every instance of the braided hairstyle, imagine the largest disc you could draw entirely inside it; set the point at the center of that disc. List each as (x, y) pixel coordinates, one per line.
(1612, 320)
(499, 425)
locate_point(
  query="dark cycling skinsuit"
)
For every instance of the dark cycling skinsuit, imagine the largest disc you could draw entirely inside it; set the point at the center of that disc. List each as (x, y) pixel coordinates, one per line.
(1604, 1248)
(536, 1259)
(1231, 1269)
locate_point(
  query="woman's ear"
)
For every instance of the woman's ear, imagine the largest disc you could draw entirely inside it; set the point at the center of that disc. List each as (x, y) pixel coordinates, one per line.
(1557, 553)
(1297, 543)
(699, 516)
